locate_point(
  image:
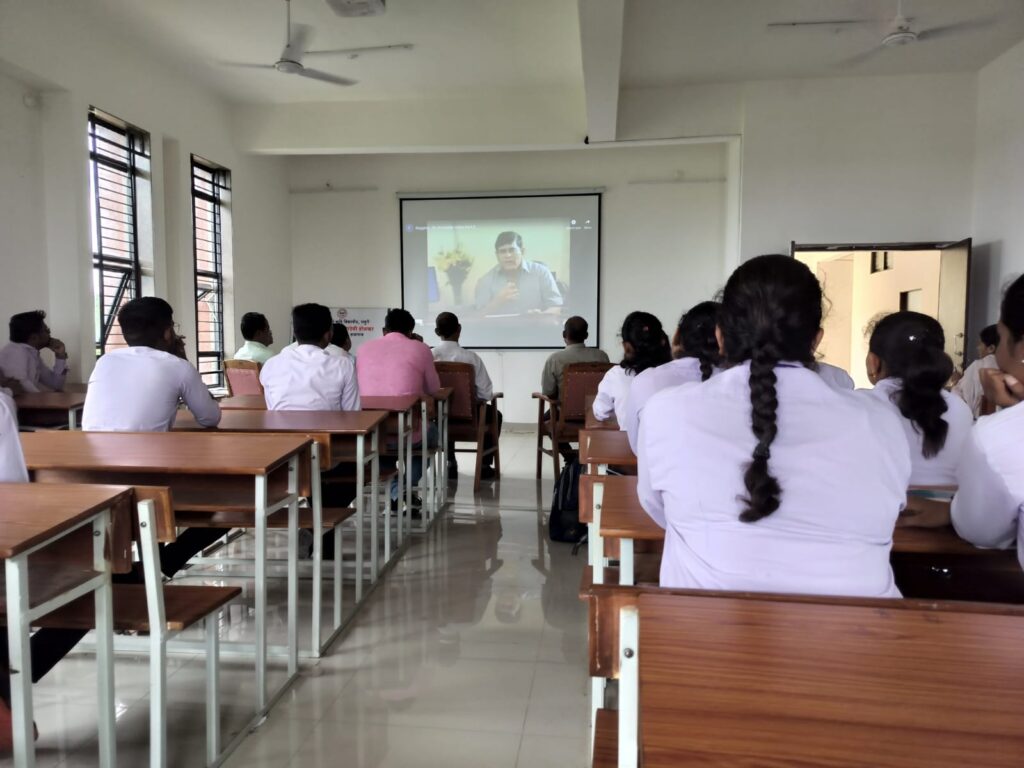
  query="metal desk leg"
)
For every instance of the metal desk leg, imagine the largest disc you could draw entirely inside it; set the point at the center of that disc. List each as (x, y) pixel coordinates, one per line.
(293, 567)
(402, 471)
(104, 602)
(318, 548)
(261, 594)
(20, 661)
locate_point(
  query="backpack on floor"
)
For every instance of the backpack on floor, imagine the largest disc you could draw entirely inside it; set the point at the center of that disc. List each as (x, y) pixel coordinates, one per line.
(564, 522)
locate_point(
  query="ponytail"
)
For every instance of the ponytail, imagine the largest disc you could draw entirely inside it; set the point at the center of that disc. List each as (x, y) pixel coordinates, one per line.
(771, 312)
(911, 347)
(697, 336)
(645, 335)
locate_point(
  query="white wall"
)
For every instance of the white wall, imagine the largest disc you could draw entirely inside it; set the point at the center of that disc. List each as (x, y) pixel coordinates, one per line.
(998, 182)
(663, 244)
(78, 63)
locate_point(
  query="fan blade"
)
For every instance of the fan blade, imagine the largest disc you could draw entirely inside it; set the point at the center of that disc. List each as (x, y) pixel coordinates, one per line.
(360, 51)
(821, 23)
(949, 30)
(298, 42)
(860, 58)
(244, 65)
(315, 74)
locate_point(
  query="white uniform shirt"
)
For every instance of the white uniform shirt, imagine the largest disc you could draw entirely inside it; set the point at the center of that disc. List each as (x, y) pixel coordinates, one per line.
(308, 378)
(12, 461)
(842, 461)
(254, 351)
(835, 376)
(685, 370)
(23, 362)
(969, 386)
(451, 352)
(940, 469)
(613, 394)
(331, 349)
(989, 504)
(138, 389)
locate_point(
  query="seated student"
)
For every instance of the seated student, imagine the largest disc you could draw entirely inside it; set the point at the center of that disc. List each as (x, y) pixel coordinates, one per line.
(396, 364)
(138, 389)
(908, 364)
(306, 377)
(989, 504)
(20, 360)
(833, 375)
(449, 330)
(258, 338)
(765, 477)
(696, 351)
(969, 386)
(644, 346)
(574, 333)
(340, 346)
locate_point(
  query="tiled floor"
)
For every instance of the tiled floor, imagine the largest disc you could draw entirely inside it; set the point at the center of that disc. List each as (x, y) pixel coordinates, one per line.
(470, 653)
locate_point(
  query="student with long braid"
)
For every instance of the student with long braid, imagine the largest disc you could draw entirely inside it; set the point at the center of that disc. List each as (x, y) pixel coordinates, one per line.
(644, 346)
(765, 477)
(908, 364)
(696, 351)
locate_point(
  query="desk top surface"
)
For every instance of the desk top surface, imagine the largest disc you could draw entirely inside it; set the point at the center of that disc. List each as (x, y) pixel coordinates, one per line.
(243, 402)
(163, 452)
(606, 446)
(391, 403)
(327, 422)
(444, 393)
(31, 514)
(56, 401)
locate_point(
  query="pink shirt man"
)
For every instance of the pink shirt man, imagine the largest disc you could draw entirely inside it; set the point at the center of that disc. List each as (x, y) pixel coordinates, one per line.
(396, 365)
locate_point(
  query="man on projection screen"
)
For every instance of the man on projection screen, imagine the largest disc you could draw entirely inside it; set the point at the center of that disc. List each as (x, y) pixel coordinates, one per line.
(516, 286)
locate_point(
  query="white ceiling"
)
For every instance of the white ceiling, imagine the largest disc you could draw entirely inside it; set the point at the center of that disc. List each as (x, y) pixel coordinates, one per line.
(685, 42)
(462, 47)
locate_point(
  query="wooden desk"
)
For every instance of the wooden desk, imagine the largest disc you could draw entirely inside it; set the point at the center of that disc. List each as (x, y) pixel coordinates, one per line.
(338, 436)
(401, 408)
(47, 403)
(34, 519)
(243, 403)
(206, 473)
(603, 448)
(590, 421)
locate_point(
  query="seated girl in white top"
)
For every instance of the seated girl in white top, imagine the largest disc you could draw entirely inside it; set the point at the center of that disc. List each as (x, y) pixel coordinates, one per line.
(644, 345)
(969, 386)
(695, 350)
(908, 364)
(988, 507)
(765, 477)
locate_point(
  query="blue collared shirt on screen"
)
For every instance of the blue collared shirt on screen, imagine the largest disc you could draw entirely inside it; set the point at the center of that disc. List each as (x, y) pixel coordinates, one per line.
(537, 288)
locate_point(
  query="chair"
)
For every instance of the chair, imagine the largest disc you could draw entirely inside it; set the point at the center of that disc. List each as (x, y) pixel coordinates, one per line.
(243, 377)
(567, 415)
(467, 416)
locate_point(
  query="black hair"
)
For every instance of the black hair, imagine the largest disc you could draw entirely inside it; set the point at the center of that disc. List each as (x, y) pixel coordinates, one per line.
(253, 323)
(989, 336)
(400, 321)
(24, 324)
(145, 320)
(508, 238)
(446, 325)
(310, 323)
(697, 336)
(912, 347)
(576, 329)
(771, 312)
(650, 345)
(339, 335)
(1011, 313)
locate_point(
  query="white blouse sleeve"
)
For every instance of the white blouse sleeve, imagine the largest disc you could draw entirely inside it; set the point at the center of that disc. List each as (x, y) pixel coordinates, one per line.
(12, 461)
(984, 511)
(604, 403)
(650, 497)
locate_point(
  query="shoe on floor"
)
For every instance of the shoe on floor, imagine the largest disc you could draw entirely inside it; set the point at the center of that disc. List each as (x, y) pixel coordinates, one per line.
(488, 473)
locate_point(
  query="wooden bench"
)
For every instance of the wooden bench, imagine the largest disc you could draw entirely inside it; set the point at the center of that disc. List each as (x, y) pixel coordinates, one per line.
(591, 422)
(728, 679)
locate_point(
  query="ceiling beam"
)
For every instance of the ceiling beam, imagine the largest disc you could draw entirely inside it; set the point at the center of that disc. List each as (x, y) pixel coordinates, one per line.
(601, 23)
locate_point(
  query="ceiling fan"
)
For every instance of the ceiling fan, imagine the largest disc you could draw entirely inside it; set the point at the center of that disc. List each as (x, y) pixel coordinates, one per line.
(296, 38)
(899, 31)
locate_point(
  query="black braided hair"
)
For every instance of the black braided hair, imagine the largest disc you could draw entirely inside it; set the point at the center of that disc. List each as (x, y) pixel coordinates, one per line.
(697, 336)
(771, 312)
(650, 347)
(911, 347)
(1011, 313)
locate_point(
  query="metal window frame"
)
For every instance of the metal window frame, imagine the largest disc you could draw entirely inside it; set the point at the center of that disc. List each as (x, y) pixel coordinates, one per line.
(135, 146)
(220, 182)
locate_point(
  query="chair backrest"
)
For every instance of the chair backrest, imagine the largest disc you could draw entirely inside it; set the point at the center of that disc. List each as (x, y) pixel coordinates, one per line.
(462, 379)
(243, 377)
(166, 530)
(819, 681)
(578, 381)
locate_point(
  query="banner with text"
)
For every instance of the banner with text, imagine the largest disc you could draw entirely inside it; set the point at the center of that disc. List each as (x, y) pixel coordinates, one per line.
(363, 323)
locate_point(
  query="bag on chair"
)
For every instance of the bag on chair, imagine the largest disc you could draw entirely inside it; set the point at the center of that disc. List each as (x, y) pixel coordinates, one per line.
(564, 522)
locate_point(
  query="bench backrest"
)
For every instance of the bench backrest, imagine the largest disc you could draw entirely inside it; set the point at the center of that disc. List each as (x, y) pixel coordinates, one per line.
(243, 377)
(806, 682)
(578, 381)
(462, 379)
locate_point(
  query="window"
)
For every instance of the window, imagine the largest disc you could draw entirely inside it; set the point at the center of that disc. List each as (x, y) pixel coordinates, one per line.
(118, 157)
(211, 186)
